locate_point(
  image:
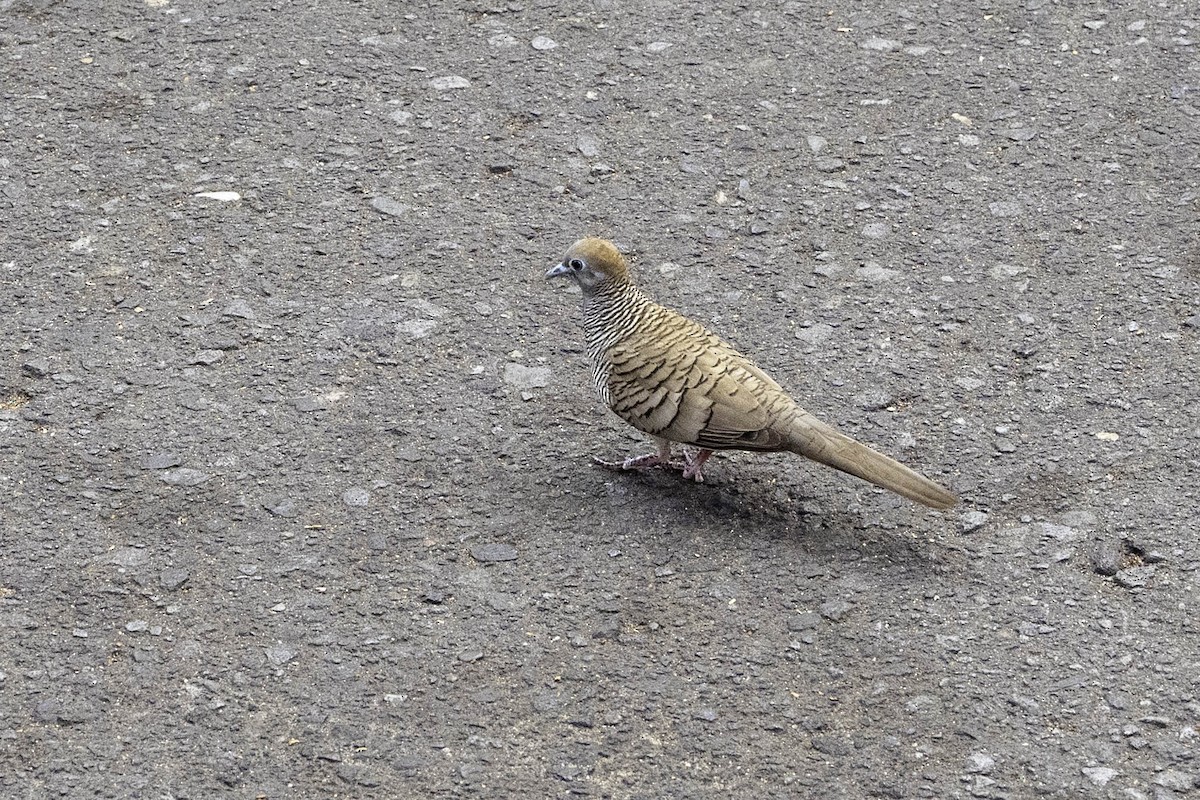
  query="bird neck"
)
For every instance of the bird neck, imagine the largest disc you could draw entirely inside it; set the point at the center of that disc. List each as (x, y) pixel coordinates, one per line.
(610, 313)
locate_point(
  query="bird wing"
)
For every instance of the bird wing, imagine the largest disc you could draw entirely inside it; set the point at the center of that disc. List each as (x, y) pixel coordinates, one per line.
(673, 379)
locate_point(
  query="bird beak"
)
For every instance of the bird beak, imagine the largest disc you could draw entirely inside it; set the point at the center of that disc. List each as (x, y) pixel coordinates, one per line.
(558, 271)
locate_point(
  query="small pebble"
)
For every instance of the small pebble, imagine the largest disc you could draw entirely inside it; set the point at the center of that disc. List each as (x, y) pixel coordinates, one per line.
(543, 43)
(161, 461)
(449, 82)
(284, 507)
(1062, 533)
(1020, 134)
(815, 334)
(1176, 780)
(835, 610)
(873, 399)
(36, 368)
(972, 521)
(280, 655)
(1100, 776)
(309, 404)
(1005, 208)
(184, 476)
(588, 145)
(494, 551)
(128, 557)
(388, 206)
(882, 45)
(173, 577)
(207, 357)
(356, 497)
(980, 763)
(1106, 557)
(1134, 577)
(875, 272)
(836, 746)
(524, 377)
(238, 308)
(221, 197)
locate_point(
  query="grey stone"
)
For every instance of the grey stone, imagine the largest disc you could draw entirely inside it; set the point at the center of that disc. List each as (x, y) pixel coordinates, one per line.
(981, 763)
(184, 476)
(207, 357)
(972, 521)
(279, 654)
(524, 377)
(161, 461)
(1100, 776)
(494, 551)
(1176, 780)
(284, 507)
(388, 206)
(173, 577)
(873, 399)
(835, 610)
(447, 83)
(876, 230)
(36, 367)
(876, 43)
(1106, 556)
(1135, 577)
(309, 403)
(240, 309)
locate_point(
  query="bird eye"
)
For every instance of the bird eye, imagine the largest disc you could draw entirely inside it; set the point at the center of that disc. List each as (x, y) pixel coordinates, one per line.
(575, 264)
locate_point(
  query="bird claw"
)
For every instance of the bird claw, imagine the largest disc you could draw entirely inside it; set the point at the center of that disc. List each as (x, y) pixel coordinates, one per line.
(695, 462)
(690, 466)
(639, 463)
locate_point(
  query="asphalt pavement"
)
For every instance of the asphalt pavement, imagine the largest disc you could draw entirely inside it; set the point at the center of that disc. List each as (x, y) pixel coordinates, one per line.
(295, 441)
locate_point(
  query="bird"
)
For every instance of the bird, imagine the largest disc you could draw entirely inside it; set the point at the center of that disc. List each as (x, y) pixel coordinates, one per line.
(673, 379)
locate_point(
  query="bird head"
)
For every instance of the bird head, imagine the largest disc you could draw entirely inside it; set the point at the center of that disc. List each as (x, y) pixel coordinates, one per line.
(594, 264)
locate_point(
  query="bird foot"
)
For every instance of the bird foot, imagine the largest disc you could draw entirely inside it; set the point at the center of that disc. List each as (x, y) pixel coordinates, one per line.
(690, 466)
(640, 463)
(693, 465)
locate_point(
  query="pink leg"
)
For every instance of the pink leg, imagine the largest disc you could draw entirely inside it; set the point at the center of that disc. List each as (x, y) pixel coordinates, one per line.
(660, 459)
(691, 469)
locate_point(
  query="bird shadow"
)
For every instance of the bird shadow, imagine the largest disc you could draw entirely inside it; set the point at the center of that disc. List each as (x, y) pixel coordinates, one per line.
(881, 533)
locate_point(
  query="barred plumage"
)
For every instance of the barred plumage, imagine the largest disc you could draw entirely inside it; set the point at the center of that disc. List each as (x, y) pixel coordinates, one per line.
(673, 379)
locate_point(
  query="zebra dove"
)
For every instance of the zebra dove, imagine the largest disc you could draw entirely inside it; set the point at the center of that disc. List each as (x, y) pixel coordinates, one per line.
(674, 380)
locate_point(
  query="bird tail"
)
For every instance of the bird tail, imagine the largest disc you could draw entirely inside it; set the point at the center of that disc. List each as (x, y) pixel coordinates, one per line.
(813, 439)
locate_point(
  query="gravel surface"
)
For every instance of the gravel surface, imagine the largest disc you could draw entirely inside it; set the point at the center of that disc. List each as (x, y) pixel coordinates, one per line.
(295, 441)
